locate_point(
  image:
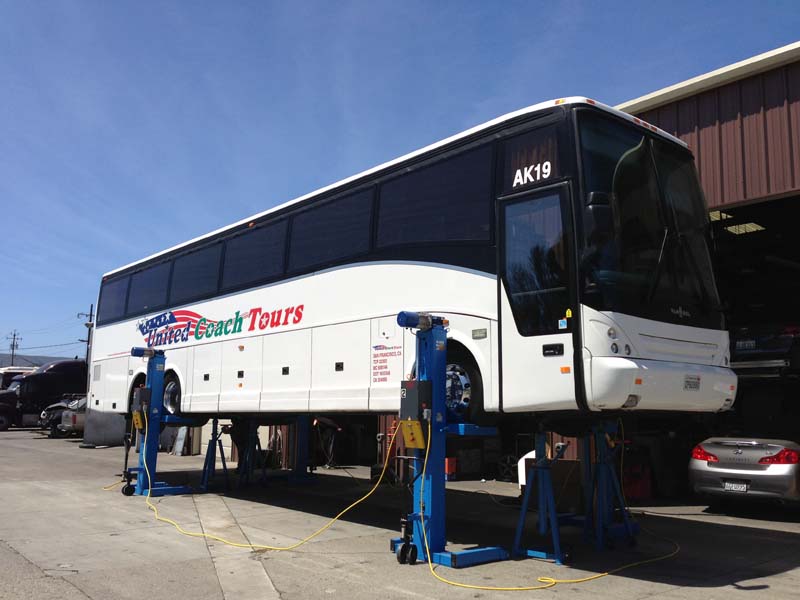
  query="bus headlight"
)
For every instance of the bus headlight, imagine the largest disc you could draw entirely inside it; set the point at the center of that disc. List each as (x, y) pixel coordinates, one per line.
(614, 348)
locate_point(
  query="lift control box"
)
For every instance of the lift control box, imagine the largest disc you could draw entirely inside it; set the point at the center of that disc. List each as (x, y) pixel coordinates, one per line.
(415, 401)
(140, 402)
(415, 398)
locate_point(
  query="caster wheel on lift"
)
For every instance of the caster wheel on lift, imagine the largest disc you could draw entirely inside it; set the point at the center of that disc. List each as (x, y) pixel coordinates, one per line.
(128, 490)
(412, 554)
(402, 553)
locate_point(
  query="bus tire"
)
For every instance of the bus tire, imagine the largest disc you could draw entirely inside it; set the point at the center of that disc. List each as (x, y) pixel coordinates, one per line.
(461, 360)
(172, 394)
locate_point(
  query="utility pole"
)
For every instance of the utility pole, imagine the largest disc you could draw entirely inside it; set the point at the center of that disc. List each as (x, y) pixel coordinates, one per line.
(15, 340)
(89, 325)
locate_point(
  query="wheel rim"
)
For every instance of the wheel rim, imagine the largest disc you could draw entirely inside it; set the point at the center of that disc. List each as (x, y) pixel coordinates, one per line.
(507, 467)
(172, 397)
(458, 391)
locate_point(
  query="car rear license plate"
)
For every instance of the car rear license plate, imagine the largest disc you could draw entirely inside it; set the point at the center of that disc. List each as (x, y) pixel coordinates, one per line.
(735, 486)
(745, 344)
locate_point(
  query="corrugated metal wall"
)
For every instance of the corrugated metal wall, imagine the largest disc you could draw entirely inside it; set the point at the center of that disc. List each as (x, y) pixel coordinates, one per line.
(745, 135)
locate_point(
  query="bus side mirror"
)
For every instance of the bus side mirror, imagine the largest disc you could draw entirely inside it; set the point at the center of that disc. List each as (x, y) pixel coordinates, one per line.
(598, 199)
(598, 221)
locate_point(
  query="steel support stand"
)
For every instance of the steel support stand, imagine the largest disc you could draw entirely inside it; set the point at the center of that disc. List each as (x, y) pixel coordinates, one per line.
(607, 492)
(210, 464)
(539, 473)
(302, 458)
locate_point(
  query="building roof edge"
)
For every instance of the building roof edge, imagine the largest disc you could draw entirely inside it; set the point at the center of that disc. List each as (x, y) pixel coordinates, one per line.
(719, 77)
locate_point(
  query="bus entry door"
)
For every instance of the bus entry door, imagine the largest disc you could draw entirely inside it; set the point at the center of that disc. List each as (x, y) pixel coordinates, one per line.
(536, 347)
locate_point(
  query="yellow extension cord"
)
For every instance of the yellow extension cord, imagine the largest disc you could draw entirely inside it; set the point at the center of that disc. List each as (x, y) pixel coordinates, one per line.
(544, 581)
(216, 538)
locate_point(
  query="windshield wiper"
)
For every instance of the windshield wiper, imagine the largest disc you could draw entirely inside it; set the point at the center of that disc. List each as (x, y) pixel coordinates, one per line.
(691, 260)
(659, 270)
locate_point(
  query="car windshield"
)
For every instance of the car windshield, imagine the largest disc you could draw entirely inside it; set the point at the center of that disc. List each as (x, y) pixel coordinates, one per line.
(645, 247)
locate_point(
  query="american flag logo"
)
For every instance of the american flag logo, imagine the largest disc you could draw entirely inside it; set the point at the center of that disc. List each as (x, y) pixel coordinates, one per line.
(182, 317)
(156, 330)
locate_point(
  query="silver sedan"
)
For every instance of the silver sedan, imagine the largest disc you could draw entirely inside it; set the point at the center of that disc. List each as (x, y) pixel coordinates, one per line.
(746, 468)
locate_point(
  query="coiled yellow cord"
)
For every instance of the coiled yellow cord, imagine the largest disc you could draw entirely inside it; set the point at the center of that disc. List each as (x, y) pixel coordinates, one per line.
(544, 581)
(216, 538)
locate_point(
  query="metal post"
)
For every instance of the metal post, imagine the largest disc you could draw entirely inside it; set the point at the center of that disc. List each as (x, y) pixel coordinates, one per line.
(301, 456)
(209, 466)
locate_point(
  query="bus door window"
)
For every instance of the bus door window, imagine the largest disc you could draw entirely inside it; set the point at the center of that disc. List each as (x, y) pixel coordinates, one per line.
(535, 265)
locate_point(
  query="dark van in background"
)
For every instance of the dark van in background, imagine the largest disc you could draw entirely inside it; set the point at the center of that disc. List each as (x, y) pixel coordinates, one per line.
(22, 403)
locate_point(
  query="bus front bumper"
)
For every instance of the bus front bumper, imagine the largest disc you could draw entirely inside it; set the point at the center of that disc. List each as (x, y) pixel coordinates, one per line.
(630, 383)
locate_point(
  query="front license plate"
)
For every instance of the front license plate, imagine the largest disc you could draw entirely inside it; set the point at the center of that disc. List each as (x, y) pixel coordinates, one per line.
(691, 383)
(735, 486)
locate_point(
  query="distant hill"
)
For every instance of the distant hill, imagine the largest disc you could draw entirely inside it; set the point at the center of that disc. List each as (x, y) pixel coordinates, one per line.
(27, 360)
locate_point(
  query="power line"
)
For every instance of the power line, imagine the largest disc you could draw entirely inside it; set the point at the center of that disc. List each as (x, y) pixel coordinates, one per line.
(50, 346)
(50, 327)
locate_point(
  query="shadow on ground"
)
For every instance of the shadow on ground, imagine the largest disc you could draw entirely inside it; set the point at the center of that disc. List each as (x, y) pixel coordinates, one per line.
(712, 554)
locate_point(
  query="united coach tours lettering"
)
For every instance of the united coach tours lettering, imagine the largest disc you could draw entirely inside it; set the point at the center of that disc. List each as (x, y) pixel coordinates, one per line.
(178, 326)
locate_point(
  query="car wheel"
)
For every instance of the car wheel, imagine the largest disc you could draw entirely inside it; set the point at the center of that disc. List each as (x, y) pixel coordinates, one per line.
(507, 468)
(5, 422)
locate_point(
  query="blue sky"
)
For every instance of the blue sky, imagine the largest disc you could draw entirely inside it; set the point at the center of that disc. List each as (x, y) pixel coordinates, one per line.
(127, 127)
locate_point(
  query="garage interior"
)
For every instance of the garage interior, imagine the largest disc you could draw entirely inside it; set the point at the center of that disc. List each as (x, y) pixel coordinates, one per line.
(758, 267)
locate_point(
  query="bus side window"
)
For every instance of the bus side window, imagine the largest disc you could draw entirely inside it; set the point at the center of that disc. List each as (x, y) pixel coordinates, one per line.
(448, 201)
(331, 232)
(195, 274)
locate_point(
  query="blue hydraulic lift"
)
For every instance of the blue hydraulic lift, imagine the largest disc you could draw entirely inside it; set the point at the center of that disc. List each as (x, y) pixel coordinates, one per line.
(150, 399)
(423, 401)
(423, 407)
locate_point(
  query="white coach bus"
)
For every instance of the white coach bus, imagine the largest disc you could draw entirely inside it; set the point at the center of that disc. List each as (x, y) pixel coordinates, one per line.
(567, 243)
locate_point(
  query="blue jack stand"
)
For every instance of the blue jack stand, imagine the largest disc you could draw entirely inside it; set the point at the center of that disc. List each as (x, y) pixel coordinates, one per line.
(152, 403)
(429, 490)
(247, 462)
(539, 473)
(210, 464)
(301, 457)
(601, 486)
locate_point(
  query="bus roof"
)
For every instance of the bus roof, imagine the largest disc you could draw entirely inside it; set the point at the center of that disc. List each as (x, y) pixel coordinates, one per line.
(436, 145)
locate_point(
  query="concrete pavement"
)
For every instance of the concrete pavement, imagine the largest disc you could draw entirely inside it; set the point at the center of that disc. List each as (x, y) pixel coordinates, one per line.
(62, 536)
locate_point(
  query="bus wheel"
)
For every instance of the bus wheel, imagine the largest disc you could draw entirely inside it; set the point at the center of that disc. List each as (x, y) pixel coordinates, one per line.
(172, 394)
(465, 387)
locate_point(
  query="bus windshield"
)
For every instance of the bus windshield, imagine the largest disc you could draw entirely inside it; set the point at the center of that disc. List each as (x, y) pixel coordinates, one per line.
(645, 245)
